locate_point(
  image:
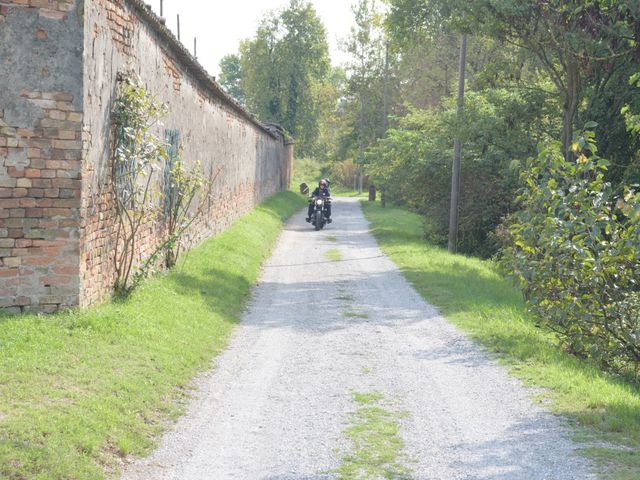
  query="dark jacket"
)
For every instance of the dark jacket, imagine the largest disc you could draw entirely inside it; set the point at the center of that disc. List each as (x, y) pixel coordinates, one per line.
(321, 192)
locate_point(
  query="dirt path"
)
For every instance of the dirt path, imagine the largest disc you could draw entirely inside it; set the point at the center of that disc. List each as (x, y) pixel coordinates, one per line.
(279, 400)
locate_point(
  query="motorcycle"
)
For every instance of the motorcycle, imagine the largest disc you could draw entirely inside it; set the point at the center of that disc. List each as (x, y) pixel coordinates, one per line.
(319, 213)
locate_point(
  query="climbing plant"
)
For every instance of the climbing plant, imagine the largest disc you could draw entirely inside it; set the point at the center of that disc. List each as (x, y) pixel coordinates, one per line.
(139, 155)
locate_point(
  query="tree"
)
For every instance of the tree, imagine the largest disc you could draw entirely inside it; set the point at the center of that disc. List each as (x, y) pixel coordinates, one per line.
(579, 44)
(414, 161)
(231, 76)
(332, 122)
(282, 68)
(368, 89)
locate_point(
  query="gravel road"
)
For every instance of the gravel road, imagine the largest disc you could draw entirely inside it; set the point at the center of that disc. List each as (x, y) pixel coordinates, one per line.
(277, 401)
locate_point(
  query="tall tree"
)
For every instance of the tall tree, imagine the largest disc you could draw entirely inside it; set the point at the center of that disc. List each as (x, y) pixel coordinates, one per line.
(581, 44)
(371, 86)
(283, 66)
(231, 76)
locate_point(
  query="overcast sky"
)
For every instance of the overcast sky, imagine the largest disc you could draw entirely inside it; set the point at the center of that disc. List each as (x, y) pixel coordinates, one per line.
(219, 25)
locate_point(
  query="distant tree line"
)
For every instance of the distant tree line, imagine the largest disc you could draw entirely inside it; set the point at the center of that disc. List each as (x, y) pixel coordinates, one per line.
(550, 136)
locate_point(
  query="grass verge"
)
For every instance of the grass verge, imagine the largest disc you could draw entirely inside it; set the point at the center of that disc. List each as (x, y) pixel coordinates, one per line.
(339, 191)
(471, 294)
(377, 445)
(80, 390)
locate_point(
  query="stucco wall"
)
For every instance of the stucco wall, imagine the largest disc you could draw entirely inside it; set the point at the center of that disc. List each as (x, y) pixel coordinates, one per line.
(68, 74)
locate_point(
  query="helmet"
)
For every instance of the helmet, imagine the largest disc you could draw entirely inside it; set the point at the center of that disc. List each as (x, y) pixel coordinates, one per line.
(323, 183)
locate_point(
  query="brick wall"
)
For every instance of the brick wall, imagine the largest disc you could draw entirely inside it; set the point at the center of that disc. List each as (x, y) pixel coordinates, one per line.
(40, 153)
(60, 60)
(212, 129)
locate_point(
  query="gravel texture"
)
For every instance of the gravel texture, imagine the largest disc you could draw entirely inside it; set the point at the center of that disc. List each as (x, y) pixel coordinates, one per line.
(277, 401)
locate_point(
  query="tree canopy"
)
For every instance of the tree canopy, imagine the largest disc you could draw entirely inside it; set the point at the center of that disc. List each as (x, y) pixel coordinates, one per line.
(279, 72)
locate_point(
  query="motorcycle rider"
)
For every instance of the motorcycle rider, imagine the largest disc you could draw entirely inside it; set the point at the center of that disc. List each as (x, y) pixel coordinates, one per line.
(321, 191)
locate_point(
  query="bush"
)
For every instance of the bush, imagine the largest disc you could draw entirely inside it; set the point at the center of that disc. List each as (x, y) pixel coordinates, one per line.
(575, 250)
(414, 163)
(307, 170)
(343, 173)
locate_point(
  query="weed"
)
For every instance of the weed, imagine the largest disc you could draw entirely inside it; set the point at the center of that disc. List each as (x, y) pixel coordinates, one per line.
(350, 314)
(377, 445)
(333, 255)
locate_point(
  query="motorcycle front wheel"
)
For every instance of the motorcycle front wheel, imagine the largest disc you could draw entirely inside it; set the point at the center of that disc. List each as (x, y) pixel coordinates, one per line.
(318, 222)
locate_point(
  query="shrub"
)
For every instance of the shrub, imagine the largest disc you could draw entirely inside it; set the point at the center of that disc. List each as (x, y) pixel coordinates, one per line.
(138, 154)
(414, 163)
(138, 157)
(575, 250)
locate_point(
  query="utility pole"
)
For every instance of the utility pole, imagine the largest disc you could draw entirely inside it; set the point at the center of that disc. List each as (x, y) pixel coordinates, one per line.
(178, 26)
(195, 48)
(361, 150)
(161, 8)
(457, 152)
(386, 85)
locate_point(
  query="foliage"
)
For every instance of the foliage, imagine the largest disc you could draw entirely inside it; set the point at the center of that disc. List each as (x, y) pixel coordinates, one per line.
(631, 114)
(309, 171)
(344, 174)
(138, 154)
(186, 184)
(231, 77)
(580, 45)
(81, 390)
(333, 118)
(368, 90)
(575, 251)
(604, 409)
(632, 118)
(414, 163)
(283, 68)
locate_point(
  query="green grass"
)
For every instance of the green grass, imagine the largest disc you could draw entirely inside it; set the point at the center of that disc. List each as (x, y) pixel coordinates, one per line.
(333, 255)
(79, 390)
(351, 314)
(474, 296)
(340, 191)
(347, 297)
(306, 170)
(375, 436)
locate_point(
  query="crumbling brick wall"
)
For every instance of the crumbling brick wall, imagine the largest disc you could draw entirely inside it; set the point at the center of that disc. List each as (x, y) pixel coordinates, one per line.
(40, 153)
(61, 61)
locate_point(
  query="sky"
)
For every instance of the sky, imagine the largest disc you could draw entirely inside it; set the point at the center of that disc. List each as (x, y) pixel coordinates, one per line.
(220, 25)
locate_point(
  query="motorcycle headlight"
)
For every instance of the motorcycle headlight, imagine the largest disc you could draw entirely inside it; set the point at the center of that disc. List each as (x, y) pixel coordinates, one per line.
(319, 202)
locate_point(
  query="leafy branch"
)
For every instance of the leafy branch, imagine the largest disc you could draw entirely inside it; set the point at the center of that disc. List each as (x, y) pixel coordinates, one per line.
(138, 155)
